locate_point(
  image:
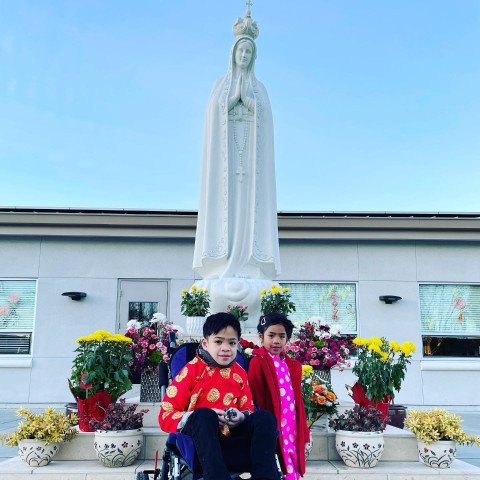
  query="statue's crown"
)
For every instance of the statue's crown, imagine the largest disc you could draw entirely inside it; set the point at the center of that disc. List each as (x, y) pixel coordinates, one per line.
(246, 26)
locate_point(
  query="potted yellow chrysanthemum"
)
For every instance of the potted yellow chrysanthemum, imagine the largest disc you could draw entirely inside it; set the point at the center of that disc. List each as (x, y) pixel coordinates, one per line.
(100, 373)
(438, 431)
(195, 304)
(276, 299)
(380, 367)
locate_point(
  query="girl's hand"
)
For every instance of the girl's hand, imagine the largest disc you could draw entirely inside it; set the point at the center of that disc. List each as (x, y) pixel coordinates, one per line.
(222, 419)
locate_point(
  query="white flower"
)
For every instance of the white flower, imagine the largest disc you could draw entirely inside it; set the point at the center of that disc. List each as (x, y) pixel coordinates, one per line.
(335, 329)
(178, 328)
(158, 317)
(248, 351)
(134, 323)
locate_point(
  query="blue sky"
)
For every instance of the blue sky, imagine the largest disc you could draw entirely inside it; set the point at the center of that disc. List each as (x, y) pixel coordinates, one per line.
(376, 103)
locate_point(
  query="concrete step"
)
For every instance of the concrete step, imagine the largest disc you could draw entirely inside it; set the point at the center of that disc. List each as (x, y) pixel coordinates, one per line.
(400, 445)
(15, 469)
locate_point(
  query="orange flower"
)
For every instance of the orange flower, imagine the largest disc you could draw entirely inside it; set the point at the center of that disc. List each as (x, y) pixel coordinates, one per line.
(317, 388)
(331, 396)
(321, 400)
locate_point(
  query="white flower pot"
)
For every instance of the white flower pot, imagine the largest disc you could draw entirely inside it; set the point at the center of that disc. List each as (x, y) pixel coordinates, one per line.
(437, 454)
(359, 449)
(118, 448)
(35, 453)
(195, 326)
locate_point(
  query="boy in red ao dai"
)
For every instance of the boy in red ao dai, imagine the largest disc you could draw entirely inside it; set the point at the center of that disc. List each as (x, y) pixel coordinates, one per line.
(196, 403)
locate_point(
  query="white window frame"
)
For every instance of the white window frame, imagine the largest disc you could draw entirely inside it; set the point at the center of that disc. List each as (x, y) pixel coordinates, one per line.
(453, 362)
(20, 359)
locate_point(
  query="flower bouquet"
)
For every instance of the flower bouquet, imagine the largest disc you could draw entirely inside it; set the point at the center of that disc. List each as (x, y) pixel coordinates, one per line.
(150, 342)
(316, 346)
(277, 299)
(240, 311)
(318, 396)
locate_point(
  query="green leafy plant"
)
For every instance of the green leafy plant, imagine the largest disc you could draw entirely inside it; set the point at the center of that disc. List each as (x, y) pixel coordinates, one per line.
(381, 366)
(240, 311)
(277, 299)
(101, 364)
(195, 302)
(359, 419)
(50, 426)
(438, 424)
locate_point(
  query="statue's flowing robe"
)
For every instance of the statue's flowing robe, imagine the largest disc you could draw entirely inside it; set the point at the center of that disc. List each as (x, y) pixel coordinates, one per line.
(237, 231)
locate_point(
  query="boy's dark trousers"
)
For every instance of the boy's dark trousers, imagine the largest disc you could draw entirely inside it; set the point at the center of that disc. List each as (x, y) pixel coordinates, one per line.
(250, 447)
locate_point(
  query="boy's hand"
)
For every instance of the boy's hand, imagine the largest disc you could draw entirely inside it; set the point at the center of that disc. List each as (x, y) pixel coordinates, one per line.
(222, 419)
(235, 417)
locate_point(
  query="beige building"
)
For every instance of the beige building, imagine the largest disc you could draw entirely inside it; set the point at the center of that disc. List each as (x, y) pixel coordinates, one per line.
(130, 263)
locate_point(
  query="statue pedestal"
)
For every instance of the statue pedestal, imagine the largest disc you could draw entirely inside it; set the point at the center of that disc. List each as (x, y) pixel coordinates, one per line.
(236, 291)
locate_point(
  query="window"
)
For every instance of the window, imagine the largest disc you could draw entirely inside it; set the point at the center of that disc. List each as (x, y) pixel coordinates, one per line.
(334, 303)
(140, 299)
(450, 320)
(17, 313)
(142, 311)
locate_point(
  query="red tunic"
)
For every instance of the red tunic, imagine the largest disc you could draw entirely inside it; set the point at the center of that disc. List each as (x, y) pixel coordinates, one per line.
(266, 393)
(200, 385)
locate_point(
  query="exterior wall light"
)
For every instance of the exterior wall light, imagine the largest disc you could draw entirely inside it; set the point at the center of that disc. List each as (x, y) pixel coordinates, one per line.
(75, 295)
(389, 299)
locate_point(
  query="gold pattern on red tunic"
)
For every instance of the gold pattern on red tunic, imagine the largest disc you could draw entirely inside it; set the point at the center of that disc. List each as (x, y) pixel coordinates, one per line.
(193, 401)
(167, 406)
(183, 373)
(225, 372)
(213, 395)
(172, 391)
(242, 401)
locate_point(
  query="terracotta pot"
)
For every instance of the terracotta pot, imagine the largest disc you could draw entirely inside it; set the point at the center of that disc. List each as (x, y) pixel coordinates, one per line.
(94, 407)
(359, 397)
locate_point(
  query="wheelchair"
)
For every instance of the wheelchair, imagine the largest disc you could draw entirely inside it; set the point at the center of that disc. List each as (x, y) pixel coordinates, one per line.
(178, 460)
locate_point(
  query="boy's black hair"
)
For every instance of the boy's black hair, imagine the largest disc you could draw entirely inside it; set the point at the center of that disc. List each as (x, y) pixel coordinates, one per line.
(218, 321)
(275, 318)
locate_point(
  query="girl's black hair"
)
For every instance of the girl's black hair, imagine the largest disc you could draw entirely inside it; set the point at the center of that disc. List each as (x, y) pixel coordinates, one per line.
(219, 321)
(275, 318)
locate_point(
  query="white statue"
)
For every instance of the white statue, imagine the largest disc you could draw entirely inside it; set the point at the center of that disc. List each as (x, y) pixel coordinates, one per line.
(237, 234)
